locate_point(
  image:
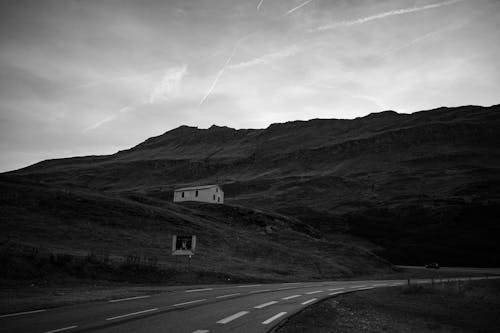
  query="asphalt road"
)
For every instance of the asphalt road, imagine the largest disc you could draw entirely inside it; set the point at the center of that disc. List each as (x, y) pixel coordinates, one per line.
(231, 308)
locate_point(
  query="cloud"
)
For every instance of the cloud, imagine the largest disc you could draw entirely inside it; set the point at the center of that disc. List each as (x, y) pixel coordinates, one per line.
(168, 86)
(260, 4)
(100, 123)
(296, 8)
(267, 58)
(379, 16)
(223, 69)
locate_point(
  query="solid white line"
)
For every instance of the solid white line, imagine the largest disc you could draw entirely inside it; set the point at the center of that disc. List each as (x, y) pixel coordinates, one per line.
(62, 329)
(335, 293)
(290, 297)
(194, 290)
(366, 288)
(128, 299)
(259, 291)
(380, 285)
(309, 301)
(190, 302)
(233, 317)
(286, 288)
(265, 304)
(22, 313)
(250, 285)
(336, 289)
(132, 314)
(273, 318)
(314, 292)
(229, 295)
(201, 331)
(360, 286)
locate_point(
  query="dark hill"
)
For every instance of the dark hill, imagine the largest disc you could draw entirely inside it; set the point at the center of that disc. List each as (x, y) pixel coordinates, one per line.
(418, 184)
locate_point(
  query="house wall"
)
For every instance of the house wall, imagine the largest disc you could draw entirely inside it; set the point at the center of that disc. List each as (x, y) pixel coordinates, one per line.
(204, 195)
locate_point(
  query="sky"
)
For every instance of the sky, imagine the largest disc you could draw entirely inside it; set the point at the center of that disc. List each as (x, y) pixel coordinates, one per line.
(92, 77)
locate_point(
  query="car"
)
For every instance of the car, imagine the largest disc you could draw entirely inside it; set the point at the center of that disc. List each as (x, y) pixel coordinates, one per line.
(434, 265)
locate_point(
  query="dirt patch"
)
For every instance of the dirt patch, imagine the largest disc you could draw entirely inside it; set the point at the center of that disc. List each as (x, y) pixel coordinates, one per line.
(451, 307)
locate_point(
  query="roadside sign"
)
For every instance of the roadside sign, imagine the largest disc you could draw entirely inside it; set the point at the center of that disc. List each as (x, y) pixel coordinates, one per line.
(183, 245)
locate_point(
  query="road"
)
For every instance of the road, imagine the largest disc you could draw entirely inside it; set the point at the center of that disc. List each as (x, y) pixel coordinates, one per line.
(231, 308)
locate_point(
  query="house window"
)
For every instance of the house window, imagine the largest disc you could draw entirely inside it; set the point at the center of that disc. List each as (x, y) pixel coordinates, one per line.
(216, 189)
(214, 197)
(218, 199)
(196, 194)
(182, 194)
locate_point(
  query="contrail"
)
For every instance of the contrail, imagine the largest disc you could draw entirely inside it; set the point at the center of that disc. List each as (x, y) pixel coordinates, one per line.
(384, 15)
(221, 71)
(260, 4)
(295, 8)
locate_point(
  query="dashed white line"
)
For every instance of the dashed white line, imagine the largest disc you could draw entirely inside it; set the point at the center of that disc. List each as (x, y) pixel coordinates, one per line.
(259, 291)
(195, 290)
(132, 314)
(380, 285)
(360, 286)
(22, 313)
(314, 292)
(286, 288)
(333, 289)
(273, 318)
(261, 306)
(201, 331)
(232, 317)
(229, 295)
(292, 283)
(250, 285)
(290, 297)
(128, 299)
(309, 301)
(335, 293)
(190, 302)
(62, 329)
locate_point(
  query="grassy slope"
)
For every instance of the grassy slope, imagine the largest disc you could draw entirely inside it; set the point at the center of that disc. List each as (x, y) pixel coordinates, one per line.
(239, 242)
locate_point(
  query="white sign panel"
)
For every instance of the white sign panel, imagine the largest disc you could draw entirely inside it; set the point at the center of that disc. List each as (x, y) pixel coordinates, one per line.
(183, 245)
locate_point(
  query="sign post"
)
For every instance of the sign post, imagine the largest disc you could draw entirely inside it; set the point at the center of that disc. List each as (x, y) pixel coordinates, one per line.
(184, 245)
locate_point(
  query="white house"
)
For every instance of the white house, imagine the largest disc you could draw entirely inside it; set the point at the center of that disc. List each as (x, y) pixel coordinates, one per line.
(204, 193)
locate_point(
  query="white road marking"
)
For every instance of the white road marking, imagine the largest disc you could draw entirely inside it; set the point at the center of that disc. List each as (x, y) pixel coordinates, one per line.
(265, 304)
(366, 288)
(335, 293)
(62, 329)
(332, 289)
(380, 284)
(128, 299)
(250, 285)
(132, 314)
(229, 295)
(292, 283)
(360, 286)
(286, 288)
(195, 290)
(314, 292)
(290, 297)
(232, 317)
(309, 301)
(22, 313)
(190, 302)
(273, 318)
(201, 331)
(259, 291)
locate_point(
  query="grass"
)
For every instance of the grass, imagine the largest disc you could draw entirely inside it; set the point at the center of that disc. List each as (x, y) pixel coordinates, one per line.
(445, 307)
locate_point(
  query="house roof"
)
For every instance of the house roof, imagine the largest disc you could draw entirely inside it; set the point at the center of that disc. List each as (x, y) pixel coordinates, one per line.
(201, 187)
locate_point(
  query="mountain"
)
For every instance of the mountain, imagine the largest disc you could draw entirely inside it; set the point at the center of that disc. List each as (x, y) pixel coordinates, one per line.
(422, 186)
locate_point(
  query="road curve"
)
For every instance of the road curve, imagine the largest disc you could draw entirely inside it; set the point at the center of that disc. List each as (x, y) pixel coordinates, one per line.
(232, 308)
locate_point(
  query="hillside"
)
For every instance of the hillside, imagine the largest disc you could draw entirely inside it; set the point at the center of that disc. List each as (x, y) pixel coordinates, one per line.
(234, 243)
(424, 186)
